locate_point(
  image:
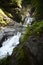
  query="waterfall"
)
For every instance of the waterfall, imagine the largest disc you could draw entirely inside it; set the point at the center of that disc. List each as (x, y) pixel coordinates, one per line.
(9, 45)
(28, 20)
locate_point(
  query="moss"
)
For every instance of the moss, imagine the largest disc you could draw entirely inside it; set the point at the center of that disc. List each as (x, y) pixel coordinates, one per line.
(27, 33)
(4, 19)
(21, 58)
(18, 2)
(5, 61)
(21, 54)
(35, 29)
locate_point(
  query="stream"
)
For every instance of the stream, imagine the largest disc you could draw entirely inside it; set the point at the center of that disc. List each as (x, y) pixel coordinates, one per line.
(9, 44)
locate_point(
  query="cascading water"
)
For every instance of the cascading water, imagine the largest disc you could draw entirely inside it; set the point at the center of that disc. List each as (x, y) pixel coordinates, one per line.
(28, 20)
(11, 43)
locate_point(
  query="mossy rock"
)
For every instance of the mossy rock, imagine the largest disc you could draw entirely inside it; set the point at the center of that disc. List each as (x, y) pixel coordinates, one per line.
(4, 19)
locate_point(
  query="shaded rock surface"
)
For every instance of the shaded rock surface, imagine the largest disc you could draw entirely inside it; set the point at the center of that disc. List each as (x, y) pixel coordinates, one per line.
(9, 31)
(35, 44)
(31, 53)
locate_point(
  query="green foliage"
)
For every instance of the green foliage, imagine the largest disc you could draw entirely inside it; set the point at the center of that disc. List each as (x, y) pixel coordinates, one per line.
(38, 4)
(18, 2)
(5, 61)
(3, 18)
(21, 54)
(36, 28)
(9, 6)
(26, 2)
(27, 33)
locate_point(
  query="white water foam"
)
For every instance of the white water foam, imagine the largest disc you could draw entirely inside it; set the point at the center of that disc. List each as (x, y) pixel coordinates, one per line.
(28, 20)
(9, 45)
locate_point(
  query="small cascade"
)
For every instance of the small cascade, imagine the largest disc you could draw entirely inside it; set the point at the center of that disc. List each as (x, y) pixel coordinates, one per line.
(28, 20)
(9, 45)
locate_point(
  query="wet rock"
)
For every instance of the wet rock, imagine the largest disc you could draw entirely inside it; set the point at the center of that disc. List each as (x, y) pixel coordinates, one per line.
(1, 36)
(3, 39)
(35, 44)
(5, 33)
(31, 53)
(9, 31)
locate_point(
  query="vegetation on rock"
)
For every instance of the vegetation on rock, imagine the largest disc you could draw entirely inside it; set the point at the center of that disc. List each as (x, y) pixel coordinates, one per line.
(22, 55)
(4, 19)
